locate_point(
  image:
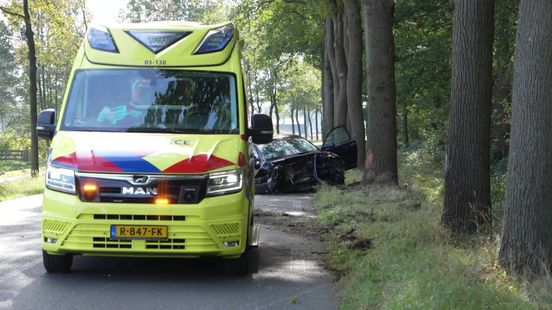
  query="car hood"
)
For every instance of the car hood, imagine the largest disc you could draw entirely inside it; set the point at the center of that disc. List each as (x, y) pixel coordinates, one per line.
(144, 152)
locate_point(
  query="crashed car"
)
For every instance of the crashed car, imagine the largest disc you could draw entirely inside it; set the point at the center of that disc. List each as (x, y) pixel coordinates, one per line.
(293, 164)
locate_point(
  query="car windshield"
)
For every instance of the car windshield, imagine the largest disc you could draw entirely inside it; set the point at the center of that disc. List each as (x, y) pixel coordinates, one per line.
(152, 100)
(286, 147)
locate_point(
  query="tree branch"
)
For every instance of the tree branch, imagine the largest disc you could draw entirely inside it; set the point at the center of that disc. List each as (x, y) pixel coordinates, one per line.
(12, 13)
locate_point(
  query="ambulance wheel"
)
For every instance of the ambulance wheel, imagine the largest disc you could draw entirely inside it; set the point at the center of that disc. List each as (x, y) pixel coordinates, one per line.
(238, 266)
(57, 263)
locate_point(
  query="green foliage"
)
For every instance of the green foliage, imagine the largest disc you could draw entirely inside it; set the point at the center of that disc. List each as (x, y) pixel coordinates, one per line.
(11, 140)
(423, 36)
(211, 11)
(302, 86)
(275, 29)
(498, 189)
(8, 77)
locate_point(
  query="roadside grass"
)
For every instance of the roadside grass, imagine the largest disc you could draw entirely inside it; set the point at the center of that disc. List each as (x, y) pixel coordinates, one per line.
(11, 166)
(388, 249)
(21, 188)
(17, 168)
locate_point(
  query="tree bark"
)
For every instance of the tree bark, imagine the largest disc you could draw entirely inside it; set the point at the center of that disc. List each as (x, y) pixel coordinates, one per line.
(310, 124)
(467, 204)
(257, 96)
(250, 91)
(380, 60)
(297, 119)
(354, 77)
(292, 122)
(340, 109)
(305, 122)
(277, 116)
(316, 123)
(328, 78)
(29, 35)
(526, 238)
(406, 136)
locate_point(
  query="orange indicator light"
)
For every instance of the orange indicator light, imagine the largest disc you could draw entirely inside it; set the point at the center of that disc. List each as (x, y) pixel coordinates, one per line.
(89, 187)
(161, 201)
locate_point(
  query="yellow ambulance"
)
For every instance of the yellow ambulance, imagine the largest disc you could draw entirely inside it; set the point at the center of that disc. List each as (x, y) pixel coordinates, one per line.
(151, 153)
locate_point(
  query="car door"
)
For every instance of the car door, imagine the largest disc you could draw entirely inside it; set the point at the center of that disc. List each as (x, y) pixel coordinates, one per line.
(339, 141)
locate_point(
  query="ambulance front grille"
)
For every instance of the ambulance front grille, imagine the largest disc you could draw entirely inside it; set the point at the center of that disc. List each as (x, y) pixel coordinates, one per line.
(138, 217)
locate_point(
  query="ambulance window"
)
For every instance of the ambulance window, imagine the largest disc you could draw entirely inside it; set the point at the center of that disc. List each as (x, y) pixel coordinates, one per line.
(152, 100)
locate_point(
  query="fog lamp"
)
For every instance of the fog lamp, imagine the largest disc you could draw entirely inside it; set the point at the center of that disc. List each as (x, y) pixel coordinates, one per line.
(50, 240)
(231, 243)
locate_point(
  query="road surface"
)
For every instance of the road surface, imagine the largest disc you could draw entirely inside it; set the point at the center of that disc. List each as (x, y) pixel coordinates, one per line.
(290, 274)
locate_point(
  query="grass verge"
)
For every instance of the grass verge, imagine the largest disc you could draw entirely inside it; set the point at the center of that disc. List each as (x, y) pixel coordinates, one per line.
(21, 188)
(388, 250)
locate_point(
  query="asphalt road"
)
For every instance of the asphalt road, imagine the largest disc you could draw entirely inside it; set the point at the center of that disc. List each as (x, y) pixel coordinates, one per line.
(290, 274)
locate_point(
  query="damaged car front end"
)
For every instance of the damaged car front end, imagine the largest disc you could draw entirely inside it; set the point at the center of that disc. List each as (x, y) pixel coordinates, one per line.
(293, 164)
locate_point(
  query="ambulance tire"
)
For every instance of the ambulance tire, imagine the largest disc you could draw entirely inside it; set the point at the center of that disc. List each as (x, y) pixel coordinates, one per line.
(57, 263)
(239, 266)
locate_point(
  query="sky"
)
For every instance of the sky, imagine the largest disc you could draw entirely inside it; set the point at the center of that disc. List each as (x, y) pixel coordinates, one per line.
(105, 11)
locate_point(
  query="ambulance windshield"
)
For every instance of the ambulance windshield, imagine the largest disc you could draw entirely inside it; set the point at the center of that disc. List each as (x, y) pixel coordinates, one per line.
(152, 100)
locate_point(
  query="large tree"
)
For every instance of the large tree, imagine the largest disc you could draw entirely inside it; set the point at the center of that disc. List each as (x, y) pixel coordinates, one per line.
(380, 59)
(354, 76)
(527, 231)
(467, 169)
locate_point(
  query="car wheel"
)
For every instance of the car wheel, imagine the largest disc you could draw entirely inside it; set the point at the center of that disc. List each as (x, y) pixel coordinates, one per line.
(57, 263)
(340, 178)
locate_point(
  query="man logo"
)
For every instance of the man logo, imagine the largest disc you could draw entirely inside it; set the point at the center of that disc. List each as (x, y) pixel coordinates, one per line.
(140, 180)
(151, 191)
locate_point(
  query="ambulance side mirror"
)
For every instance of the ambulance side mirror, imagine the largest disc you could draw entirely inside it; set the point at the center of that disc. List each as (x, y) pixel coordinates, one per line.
(261, 130)
(46, 124)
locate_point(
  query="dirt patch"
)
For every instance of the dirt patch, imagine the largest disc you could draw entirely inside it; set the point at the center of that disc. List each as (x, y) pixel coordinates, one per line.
(295, 224)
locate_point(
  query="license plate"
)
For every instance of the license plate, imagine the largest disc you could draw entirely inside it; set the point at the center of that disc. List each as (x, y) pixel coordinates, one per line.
(139, 232)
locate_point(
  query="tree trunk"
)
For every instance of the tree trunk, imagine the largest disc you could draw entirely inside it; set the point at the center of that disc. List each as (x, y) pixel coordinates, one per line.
(250, 91)
(39, 82)
(380, 60)
(316, 123)
(32, 87)
(328, 78)
(277, 117)
(297, 119)
(467, 202)
(406, 136)
(526, 238)
(292, 122)
(305, 122)
(340, 110)
(354, 77)
(257, 99)
(310, 124)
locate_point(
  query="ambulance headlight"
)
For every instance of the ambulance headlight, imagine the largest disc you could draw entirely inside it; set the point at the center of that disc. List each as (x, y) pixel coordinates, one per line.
(216, 40)
(100, 39)
(60, 179)
(226, 182)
